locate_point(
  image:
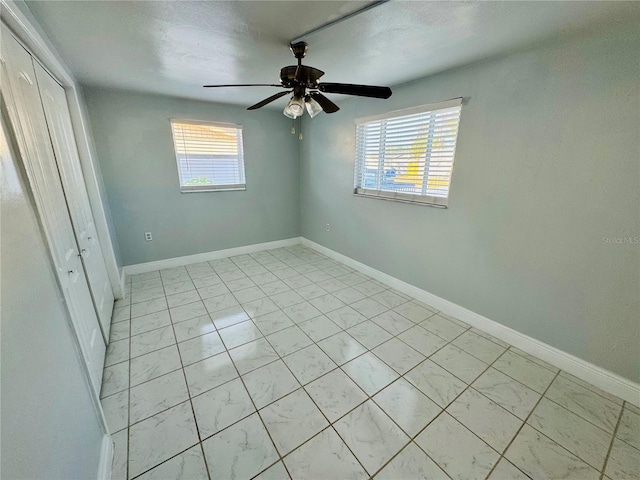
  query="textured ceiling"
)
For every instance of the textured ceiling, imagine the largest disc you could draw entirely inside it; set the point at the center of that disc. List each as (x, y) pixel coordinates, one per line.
(174, 48)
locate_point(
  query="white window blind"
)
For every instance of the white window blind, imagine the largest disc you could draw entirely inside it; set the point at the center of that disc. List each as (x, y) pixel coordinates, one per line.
(408, 155)
(210, 156)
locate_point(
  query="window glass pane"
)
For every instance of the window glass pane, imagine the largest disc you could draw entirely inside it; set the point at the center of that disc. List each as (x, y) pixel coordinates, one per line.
(209, 156)
(409, 155)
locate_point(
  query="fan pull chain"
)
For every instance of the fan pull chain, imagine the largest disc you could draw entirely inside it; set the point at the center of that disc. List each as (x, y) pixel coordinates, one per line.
(293, 126)
(300, 129)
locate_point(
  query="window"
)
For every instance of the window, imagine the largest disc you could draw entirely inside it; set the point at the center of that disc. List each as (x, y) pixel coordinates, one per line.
(210, 156)
(408, 155)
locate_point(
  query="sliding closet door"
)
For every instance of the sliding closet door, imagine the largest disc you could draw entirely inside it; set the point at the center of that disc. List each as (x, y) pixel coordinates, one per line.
(63, 140)
(28, 120)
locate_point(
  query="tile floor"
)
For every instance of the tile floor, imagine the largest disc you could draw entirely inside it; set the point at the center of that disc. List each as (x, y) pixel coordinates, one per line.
(286, 364)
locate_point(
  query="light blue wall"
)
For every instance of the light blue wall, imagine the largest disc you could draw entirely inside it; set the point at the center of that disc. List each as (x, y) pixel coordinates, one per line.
(49, 426)
(547, 165)
(133, 141)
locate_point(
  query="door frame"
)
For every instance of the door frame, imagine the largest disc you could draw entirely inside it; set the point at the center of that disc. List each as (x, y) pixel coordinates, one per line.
(17, 17)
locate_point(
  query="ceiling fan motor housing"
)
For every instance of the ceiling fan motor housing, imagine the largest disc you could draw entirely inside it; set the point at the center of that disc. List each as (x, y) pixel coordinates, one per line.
(306, 76)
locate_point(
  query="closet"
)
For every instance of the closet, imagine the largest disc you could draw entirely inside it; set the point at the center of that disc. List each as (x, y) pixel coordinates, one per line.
(40, 119)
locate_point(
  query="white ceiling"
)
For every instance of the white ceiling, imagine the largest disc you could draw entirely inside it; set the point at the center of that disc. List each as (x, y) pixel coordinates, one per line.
(174, 48)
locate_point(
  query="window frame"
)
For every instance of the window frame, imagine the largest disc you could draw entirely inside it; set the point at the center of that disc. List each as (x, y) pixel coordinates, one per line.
(209, 188)
(403, 197)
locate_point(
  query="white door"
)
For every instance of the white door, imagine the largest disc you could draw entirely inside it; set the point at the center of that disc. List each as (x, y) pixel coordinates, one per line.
(28, 120)
(63, 140)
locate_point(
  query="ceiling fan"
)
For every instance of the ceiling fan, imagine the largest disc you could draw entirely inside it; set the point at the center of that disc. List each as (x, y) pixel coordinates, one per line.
(302, 81)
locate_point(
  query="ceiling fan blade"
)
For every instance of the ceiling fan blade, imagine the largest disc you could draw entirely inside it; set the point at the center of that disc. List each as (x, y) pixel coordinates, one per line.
(359, 90)
(246, 85)
(327, 105)
(268, 100)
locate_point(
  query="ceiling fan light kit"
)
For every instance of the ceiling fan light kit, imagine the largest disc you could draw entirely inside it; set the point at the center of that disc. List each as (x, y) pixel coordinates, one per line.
(302, 81)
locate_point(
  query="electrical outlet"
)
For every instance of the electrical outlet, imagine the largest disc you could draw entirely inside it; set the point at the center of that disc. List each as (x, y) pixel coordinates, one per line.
(147, 236)
(328, 227)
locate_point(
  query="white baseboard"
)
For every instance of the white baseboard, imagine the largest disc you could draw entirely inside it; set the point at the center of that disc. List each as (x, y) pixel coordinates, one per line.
(601, 378)
(207, 256)
(106, 458)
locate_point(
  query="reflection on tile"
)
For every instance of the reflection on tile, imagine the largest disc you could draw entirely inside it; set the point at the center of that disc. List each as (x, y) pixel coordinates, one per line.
(398, 355)
(370, 373)
(289, 340)
(458, 362)
(116, 411)
(188, 465)
(239, 334)
(580, 437)
(407, 406)
(154, 364)
(335, 394)
(259, 307)
(319, 328)
(434, 381)
(456, 450)
(624, 461)
(193, 328)
(160, 437)
(220, 407)
(540, 457)
(253, 355)
(309, 363)
(525, 371)
(228, 316)
(324, 456)
(209, 373)
(411, 463)
(241, 451)
(506, 392)
(589, 405)
(272, 322)
(341, 347)
(269, 383)
(199, 348)
(153, 340)
(371, 435)
(220, 302)
(292, 420)
(156, 395)
(485, 418)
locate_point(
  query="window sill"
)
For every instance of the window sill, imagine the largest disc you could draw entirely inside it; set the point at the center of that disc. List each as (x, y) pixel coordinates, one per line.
(402, 198)
(219, 189)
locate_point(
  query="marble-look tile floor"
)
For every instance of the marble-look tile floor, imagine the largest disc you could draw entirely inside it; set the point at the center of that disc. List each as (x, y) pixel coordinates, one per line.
(286, 364)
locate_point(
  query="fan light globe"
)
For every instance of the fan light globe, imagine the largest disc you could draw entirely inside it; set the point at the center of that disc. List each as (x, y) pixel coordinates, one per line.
(313, 107)
(294, 108)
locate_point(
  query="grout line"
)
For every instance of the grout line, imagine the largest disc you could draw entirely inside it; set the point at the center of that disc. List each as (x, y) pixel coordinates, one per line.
(613, 439)
(319, 259)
